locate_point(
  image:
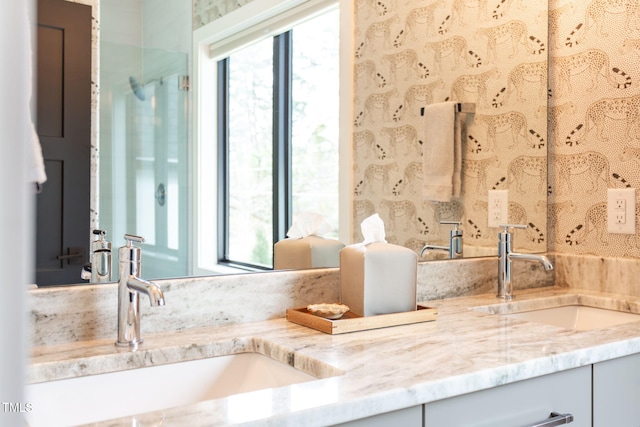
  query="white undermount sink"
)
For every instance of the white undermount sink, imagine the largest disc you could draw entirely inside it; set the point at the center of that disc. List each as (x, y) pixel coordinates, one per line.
(575, 312)
(94, 398)
(577, 317)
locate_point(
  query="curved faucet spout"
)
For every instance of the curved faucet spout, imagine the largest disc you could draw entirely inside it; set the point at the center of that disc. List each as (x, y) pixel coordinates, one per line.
(428, 248)
(455, 242)
(156, 297)
(542, 259)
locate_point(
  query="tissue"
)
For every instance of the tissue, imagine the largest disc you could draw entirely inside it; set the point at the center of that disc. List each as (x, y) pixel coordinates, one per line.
(305, 247)
(308, 224)
(377, 277)
(373, 230)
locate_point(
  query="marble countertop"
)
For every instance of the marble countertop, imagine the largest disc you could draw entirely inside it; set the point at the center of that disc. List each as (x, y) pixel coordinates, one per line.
(362, 373)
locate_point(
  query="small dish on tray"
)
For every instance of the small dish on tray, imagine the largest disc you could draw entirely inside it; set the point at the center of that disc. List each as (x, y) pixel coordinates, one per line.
(328, 311)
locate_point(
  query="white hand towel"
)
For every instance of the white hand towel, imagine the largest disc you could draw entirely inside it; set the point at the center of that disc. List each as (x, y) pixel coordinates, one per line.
(36, 168)
(442, 153)
(37, 172)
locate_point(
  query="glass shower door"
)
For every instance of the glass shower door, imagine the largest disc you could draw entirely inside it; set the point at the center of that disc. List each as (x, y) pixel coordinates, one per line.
(143, 155)
(160, 174)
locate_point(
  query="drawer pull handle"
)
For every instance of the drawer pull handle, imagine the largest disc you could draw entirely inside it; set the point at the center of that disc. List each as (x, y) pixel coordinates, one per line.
(70, 256)
(555, 419)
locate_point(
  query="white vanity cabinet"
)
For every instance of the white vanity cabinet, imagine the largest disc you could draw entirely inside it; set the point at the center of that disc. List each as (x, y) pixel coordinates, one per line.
(522, 403)
(601, 395)
(616, 392)
(409, 417)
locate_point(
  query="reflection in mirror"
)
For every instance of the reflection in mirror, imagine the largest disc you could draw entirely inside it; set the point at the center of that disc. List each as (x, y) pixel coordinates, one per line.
(406, 56)
(143, 154)
(280, 135)
(415, 55)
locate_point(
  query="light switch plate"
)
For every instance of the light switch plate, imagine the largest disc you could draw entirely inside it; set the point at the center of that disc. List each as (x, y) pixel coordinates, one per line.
(621, 210)
(498, 207)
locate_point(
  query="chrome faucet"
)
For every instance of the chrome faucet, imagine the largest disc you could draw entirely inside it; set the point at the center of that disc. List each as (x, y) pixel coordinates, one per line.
(100, 258)
(455, 242)
(506, 255)
(98, 270)
(129, 287)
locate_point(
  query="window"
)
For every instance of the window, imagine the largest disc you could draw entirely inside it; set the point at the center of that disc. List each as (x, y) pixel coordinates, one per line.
(277, 135)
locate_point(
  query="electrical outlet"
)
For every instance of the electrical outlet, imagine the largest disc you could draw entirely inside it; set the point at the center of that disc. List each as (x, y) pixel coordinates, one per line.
(498, 207)
(621, 210)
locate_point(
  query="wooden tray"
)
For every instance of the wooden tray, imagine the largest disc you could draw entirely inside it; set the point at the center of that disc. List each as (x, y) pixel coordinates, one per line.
(351, 322)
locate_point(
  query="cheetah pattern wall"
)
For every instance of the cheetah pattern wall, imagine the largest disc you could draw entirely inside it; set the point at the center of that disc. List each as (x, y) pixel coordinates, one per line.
(595, 105)
(414, 53)
(591, 82)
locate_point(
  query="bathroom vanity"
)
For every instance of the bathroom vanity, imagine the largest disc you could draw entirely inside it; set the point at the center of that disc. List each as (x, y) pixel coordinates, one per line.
(472, 366)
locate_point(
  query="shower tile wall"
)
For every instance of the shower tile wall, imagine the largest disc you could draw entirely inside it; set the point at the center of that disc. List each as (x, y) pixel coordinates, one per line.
(167, 25)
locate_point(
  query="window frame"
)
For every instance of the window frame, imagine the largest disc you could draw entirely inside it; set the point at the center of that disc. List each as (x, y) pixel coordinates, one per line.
(282, 125)
(281, 149)
(255, 17)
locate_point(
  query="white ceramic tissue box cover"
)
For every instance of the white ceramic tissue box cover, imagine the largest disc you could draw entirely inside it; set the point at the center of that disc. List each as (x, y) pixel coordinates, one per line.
(378, 278)
(307, 252)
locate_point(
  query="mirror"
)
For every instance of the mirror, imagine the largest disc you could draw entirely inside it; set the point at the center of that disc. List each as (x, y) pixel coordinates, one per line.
(491, 56)
(406, 57)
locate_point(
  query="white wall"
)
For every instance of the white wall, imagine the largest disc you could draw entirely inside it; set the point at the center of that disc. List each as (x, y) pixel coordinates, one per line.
(121, 22)
(16, 260)
(167, 25)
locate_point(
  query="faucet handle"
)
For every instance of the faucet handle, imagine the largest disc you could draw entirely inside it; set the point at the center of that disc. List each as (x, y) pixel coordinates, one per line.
(508, 226)
(130, 238)
(130, 253)
(100, 233)
(100, 244)
(455, 231)
(454, 223)
(505, 235)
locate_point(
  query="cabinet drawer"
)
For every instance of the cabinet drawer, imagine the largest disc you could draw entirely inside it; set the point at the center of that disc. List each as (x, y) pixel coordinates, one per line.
(409, 417)
(518, 404)
(616, 392)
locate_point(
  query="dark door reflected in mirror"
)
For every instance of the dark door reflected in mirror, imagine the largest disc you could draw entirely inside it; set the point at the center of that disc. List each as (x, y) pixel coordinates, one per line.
(64, 129)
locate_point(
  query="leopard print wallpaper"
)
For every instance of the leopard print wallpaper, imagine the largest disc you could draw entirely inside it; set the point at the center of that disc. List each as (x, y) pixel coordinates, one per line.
(594, 115)
(410, 54)
(493, 52)
(205, 11)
